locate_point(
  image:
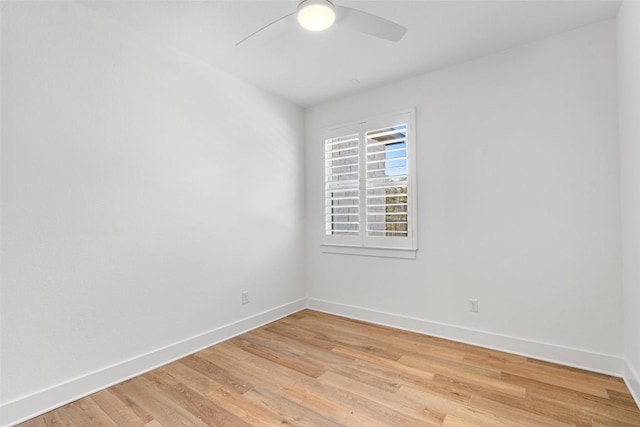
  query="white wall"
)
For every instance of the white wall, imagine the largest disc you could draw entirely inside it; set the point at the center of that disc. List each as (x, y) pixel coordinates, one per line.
(142, 191)
(518, 204)
(629, 111)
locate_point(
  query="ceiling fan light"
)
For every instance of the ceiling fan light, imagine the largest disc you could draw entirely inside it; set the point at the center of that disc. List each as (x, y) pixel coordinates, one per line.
(316, 15)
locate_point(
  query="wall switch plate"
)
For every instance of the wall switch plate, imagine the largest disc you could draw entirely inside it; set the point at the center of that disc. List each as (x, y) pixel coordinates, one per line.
(245, 297)
(473, 305)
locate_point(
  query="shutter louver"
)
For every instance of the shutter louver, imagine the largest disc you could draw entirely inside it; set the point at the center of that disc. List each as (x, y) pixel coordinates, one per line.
(342, 185)
(387, 181)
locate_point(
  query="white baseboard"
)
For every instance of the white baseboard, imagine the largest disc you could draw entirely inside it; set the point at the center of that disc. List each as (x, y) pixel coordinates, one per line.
(27, 407)
(632, 379)
(603, 363)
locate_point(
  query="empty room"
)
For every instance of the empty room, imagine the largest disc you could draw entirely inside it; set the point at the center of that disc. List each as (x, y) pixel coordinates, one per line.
(320, 213)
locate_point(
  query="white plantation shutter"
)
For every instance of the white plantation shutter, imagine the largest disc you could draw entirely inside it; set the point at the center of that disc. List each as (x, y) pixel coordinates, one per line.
(386, 181)
(342, 185)
(369, 194)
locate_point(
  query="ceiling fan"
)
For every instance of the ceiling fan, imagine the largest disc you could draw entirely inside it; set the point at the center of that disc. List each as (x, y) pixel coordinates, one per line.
(318, 15)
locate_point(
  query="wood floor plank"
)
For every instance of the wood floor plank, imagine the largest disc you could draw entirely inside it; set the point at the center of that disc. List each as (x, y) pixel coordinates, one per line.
(567, 377)
(256, 369)
(300, 335)
(231, 349)
(583, 403)
(369, 400)
(199, 382)
(204, 409)
(286, 361)
(292, 412)
(519, 414)
(264, 338)
(305, 350)
(622, 398)
(549, 409)
(440, 365)
(417, 347)
(315, 369)
(363, 376)
(163, 409)
(55, 419)
(323, 401)
(460, 378)
(601, 423)
(36, 422)
(123, 411)
(453, 421)
(474, 417)
(462, 414)
(232, 380)
(416, 403)
(419, 378)
(596, 409)
(248, 409)
(85, 412)
(349, 337)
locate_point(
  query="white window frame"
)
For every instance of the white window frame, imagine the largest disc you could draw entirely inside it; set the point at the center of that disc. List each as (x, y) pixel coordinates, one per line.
(362, 244)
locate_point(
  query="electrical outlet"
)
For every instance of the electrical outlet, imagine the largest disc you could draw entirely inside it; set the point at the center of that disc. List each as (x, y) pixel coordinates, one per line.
(245, 297)
(473, 305)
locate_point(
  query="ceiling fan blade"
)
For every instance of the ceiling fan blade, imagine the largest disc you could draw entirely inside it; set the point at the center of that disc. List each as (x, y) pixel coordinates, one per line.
(367, 23)
(264, 28)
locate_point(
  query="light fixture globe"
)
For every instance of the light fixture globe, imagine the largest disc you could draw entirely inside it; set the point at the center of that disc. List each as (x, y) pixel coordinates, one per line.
(316, 15)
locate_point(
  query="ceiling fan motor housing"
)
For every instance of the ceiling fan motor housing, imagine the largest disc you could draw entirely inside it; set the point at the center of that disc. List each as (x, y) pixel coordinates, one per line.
(316, 15)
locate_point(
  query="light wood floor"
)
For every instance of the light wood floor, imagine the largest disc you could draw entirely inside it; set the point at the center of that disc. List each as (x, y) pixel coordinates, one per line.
(314, 369)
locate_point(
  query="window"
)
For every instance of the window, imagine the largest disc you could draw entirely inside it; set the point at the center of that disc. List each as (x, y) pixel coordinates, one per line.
(369, 194)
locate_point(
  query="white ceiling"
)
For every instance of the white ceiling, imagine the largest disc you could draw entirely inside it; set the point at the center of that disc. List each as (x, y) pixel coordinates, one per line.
(308, 68)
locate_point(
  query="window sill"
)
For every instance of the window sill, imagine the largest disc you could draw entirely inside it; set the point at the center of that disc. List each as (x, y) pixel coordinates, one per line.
(369, 251)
